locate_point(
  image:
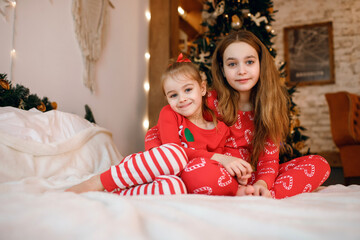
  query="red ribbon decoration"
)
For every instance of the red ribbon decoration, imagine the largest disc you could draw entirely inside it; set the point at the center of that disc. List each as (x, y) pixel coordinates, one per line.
(181, 58)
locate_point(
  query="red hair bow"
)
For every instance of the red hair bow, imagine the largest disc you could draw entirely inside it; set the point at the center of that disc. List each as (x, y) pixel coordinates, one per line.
(181, 58)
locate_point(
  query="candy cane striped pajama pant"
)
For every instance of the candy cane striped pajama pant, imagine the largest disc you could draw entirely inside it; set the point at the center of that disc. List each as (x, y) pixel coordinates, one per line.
(303, 174)
(300, 175)
(152, 172)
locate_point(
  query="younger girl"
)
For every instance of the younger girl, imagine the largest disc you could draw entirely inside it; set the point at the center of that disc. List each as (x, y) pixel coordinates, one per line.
(250, 98)
(181, 123)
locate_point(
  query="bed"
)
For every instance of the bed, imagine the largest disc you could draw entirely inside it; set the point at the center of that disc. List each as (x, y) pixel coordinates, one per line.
(42, 154)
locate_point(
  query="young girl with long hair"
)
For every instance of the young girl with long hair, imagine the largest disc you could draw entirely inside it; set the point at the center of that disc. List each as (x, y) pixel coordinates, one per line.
(250, 98)
(185, 135)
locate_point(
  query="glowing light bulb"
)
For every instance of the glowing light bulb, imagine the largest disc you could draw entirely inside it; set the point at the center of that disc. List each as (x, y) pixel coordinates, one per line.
(146, 86)
(148, 15)
(13, 53)
(13, 4)
(181, 11)
(147, 55)
(146, 124)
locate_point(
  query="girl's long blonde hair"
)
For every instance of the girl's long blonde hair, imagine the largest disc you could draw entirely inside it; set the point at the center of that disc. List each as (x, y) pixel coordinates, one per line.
(268, 97)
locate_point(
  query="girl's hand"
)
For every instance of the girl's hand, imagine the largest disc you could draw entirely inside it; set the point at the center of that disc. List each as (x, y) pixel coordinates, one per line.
(260, 189)
(237, 167)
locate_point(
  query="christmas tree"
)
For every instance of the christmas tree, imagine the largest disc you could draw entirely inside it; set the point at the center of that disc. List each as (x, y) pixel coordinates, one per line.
(221, 17)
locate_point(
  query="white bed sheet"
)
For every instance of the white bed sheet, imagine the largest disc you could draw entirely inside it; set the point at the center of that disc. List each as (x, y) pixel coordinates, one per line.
(332, 213)
(33, 204)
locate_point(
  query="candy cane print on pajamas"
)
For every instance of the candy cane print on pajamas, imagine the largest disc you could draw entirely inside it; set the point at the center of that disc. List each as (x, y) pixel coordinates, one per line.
(144, 167)
(303, 174)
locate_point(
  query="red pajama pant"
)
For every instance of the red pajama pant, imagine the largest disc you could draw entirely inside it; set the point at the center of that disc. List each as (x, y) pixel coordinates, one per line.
(303, 174)
(155, 172)
(151, 172)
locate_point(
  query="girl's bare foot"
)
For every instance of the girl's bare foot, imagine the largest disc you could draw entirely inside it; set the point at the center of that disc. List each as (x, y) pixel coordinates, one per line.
(245, 190)
(92, 184)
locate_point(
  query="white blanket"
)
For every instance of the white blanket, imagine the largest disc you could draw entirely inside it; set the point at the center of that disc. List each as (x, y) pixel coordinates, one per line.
(54, 145)
(33, 204)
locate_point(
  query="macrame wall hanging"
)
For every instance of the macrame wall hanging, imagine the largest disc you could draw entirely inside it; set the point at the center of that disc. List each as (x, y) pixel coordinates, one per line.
(89, 18)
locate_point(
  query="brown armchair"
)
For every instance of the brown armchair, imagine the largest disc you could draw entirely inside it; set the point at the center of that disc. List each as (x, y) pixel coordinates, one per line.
(344, 111)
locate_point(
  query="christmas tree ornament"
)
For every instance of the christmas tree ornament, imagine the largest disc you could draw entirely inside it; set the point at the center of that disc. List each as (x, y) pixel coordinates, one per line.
(4, 84)
(204, 57)
(220, 8)
(210, 17)
(246, 12)
(207, 5)
(22, 104)
(236, 22)
(41, 107)
(258, 19)
(54, 105)
(299, 145)
(268, 28)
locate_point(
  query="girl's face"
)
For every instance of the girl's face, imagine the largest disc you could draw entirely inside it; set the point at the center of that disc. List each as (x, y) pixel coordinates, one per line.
(185, 96)
(241, 66)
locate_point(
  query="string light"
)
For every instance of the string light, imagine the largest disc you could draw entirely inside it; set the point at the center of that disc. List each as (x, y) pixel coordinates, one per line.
(146, 82)
(181, 11)
(146, 86)
(148, 15)
(146, 124)
(13, 51)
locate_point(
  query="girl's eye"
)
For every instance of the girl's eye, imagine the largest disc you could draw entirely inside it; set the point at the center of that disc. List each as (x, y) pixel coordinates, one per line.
(188, 90)
(173, 95)
(231, 64)
(249, 62)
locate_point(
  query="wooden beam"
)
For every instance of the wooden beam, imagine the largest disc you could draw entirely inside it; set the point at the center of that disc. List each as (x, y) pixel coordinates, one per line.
(163, 45)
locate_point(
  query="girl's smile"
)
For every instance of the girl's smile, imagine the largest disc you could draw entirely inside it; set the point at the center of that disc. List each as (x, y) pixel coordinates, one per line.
(184, 105)
(245, 80)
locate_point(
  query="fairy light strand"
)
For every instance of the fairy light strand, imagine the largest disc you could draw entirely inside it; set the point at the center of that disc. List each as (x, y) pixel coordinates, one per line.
(146, 81)
(12, 51)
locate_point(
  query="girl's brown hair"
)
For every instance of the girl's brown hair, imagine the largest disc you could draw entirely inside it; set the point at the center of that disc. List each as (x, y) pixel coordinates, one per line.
(268, 97)
(181, 70)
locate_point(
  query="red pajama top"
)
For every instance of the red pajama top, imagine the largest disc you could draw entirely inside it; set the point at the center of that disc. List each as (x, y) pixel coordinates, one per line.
(239, 143)
(197, 142)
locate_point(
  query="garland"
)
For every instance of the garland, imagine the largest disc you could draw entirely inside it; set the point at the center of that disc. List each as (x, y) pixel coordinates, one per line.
(20, 97)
